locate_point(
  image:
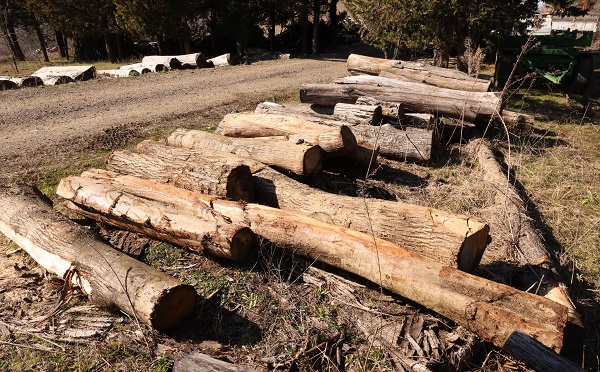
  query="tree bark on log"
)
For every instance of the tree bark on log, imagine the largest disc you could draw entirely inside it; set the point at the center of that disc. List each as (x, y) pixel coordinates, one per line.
(55, 79)
(358, 114)
(338, 140)
(140, 210)
(227, 59)
(302, 159)
(169, 61)
(218, 174)
(517, 122)
(440, 77)
(109, 278)
(77, 73)
(491, 310)
(117, 73)
(455, 240)
(423, 98)
(313, 113)
(391, 110)
(411, 144)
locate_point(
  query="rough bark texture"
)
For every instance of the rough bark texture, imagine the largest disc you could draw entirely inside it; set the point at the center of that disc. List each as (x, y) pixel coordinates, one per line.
(219, 174)
(299, 158)
(391, 110)
(98, 194)
(358, 114)
(77, 73)
(440, 77)
(517, 122)
(110, 278)
(331, 140)
(313, 113)
(537, 356)
(411, 144)
(491, 310)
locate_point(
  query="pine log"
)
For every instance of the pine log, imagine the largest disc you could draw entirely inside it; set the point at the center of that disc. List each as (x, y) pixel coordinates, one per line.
(144, 68)
(358, 114)
(516, 122)
(218, 174)
(437, 76)
(411, 144)
(77, 73)
(227, 59)
(140, 211)
(299, 158)
(109, 278)
(452, 239)
(491, 310)
(169, 61)
(335, 140)
(117, 73)
(537, 356)
(390, 110)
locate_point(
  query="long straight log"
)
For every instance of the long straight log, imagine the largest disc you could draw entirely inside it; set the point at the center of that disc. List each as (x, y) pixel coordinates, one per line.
(198, 229)
(313, 113)
(417, 97)
(331, 139)
(169, 61)
(437, 76)
(117, 73)
(218, 174)
(299, 158)
(144, 68)
(109, 278)
(227, 59)
(493, 311)
(452, 239)
(358, 114)
(77, 73)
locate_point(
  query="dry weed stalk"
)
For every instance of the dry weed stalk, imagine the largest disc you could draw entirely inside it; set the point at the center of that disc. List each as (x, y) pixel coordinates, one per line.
(472, 57)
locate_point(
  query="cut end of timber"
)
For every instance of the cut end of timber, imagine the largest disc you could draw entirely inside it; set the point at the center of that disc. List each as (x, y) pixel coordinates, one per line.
(242, 244)
(240, 184)
(472, 249)
(173, 306)
(350, 143)
(313, 161)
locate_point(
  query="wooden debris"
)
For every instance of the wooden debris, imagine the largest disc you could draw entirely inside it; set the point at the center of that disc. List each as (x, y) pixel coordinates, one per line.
(110, 278)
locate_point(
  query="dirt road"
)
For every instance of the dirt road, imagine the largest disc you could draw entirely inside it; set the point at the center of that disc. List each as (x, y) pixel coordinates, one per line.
(35, 122)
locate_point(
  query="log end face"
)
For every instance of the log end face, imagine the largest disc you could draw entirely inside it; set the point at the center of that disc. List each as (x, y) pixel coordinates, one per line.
(242, 244)
(173, 306)
(240, 184)
(473, 248)
(313, 161)
(350, 143)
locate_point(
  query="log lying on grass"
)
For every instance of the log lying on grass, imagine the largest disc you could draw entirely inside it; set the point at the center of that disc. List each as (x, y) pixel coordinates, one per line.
(7, 84)
(77, 73)
(139, 210)
(144, 68)
(117, 73)
(299, 158)
(331, 139)
(169, 61)
(110, 278)
(491, 310)
(452, 239)
(441, 77)
(227, 59)
(218, 174)
(28, 81)
(517, 122)
(55, 79)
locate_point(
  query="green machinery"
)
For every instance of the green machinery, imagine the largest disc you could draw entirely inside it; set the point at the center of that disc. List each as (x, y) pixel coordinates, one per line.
(559, 57)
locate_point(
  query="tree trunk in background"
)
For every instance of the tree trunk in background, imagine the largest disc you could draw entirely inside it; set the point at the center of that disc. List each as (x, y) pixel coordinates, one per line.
(110, 46)
(333, 22)
(13, 41)
(122, 47)
(304, 22)
(60, 42)
(40, 36)
(441, 53)
(272, 24)
(316, 20)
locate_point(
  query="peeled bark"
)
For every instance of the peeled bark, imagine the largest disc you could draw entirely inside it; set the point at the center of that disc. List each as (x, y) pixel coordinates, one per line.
(217, 174)
(108, 277)
(144, 68)
(390, 110)
(331, 139)
(77, 73)
(411, 144)
(491, 310)
(440, 77)
(141, 210)
(169, 61)
(227, 59)
(299, 158)
(358, 114)
(22, 82)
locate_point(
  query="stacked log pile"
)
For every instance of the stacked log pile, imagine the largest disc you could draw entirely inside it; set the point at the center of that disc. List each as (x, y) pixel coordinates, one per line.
(217, 193)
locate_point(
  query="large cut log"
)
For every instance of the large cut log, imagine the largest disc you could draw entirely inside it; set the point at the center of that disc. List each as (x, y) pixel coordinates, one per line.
(218, 174)
(492, 310)
(55, 79)
(227, 59)
(117, 73)
(313, 113)
(331, 139)
(77, 73)
(417, 97)
(139, 210)
(169, 61)
(299, 158)
(358, 114)
(516, 122)
(7, 82)
(110, 278)
(452, 239)
(437, 76)
(144, 68)
(410, 144)
(391, 110)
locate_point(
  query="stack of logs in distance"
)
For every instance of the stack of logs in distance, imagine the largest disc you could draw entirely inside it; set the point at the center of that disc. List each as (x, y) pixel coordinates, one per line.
(215, 193)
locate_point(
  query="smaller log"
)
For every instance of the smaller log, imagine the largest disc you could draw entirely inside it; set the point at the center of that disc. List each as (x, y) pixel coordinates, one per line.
(456, 131)
(335, 140)
(390, 110)
(358, 114)
(109, 278)
(415, 120)
(170, 61)
(55, 79)
(97, 194)
(516, 122)
(293, 156)
(28, 81)
(411, 144)
(219, 173)
(226, 59)
(144, 68)
(536, 355)
(77, 73)
(7, 84)
(117, 73)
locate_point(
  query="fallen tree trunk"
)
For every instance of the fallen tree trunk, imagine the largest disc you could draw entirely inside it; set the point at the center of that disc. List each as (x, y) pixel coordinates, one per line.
(117, 73)
(437, 76)
(299, 158)
(21, 82)
(391, 110)
(109, 278)
(358, 114)
(313, 113)
(411, 144)
(77, 73)
(218, 174)
(491, 310)
(169, 61)
(55, 79)
(227, 59)
(144, 68)
(338, 140)
(517, 122)
(140, 211)
(452, 239)
(7, 84)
